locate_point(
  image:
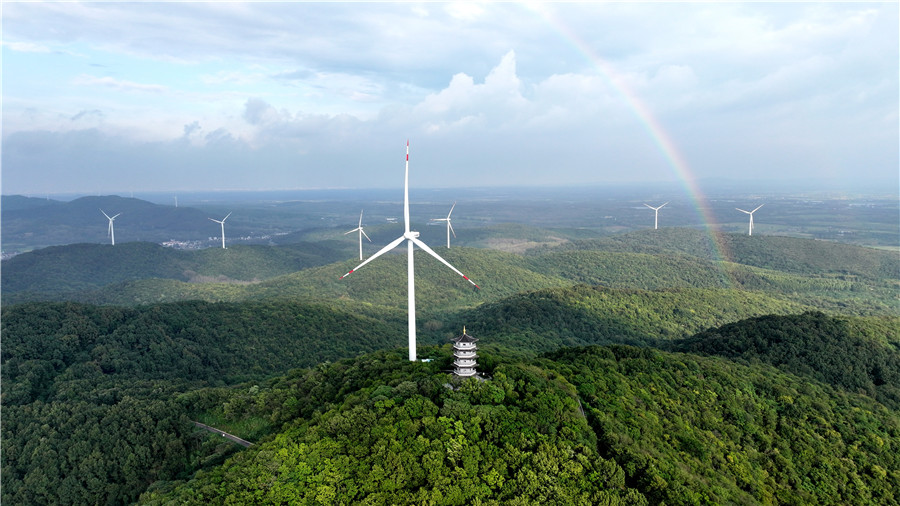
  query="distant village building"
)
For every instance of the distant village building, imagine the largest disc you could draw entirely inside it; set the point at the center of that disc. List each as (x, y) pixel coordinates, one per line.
(464, 349)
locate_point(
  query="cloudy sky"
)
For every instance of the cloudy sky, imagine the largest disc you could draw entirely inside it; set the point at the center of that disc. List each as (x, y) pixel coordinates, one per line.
(118, 97)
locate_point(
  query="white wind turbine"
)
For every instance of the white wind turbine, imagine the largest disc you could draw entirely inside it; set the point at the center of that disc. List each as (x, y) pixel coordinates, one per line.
(411, 238)
(751, 216)
(223, 227)
(449, 226)
(361, 234)
(656, 217)
(111, 231)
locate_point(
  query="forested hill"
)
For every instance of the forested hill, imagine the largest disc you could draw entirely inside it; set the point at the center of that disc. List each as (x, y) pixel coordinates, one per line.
(858, 355)
(28, 224)
(222, 275)
(786, 254)
(59, 272)
(581, 315)
(117, 387)
(616, 425)
(382, 283)
(217, 343)
(21, 202)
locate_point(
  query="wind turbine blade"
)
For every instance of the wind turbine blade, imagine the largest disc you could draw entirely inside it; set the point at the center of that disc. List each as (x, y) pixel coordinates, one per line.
(741, 210)
(383, 250)
(365, 234)
(451, 228)
(116, 216)
(662, 206)
(451, 210)
(435, 255)
(360, 219)
(406, 191)
(651, 207)
(226, 216)
(757, 209)
(104, 214)
(351, 231)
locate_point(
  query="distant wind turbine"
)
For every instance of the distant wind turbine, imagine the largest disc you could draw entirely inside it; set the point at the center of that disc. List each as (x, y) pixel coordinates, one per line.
(656, 217)
(361, 234)
(411, 238)
(111, 231)
(449, 226)
(223, 227)
(750, 232)
(176, 200)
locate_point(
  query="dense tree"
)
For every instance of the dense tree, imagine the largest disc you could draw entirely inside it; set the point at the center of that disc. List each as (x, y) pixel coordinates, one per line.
(91, 411)
(859, 355)
(598, 425)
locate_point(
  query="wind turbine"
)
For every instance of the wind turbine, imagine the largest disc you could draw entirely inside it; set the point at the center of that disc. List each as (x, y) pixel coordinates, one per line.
(223, 227)
(449, 226)
(411, 238)
(361, 234)
(751, 217)
(656, 217)
(111, 231)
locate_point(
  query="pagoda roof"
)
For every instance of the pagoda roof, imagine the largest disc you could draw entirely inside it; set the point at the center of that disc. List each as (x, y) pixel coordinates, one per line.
(465, 338)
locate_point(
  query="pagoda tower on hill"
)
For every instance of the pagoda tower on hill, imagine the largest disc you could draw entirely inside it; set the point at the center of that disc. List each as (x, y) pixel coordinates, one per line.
(464, 349)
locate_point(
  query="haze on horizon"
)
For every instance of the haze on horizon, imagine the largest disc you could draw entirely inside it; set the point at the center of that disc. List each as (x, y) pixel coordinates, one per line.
(112, 97)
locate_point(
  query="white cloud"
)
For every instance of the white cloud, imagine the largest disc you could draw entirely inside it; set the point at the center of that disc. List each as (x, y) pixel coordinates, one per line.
(515, 90)
(118, 84)
(26, 47)
(499, 99)
(465, 11)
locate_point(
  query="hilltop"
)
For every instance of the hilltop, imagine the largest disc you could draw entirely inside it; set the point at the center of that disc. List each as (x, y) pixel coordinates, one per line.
(616, 425)
(857, 355)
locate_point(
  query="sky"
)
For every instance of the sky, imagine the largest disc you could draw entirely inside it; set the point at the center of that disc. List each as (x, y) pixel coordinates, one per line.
(190, 96)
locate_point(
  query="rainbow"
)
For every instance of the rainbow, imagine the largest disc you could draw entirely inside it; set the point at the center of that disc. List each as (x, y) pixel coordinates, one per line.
(651, 125)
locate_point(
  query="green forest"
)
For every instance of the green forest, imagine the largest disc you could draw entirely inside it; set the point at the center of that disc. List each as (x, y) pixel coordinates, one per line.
(634, 369)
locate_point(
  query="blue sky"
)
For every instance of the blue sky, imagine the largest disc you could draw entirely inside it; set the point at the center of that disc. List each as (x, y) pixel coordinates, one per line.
(119, 97)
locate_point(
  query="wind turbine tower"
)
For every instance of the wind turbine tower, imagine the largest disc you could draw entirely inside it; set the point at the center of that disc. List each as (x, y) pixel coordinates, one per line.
(411, 238)
(750, 232)
(111, 231)
(361, 234)
(656, 216)
(449, 226)
(223, 227)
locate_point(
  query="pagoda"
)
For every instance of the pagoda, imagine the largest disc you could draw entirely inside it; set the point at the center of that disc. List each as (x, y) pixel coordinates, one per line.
(464, 349)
